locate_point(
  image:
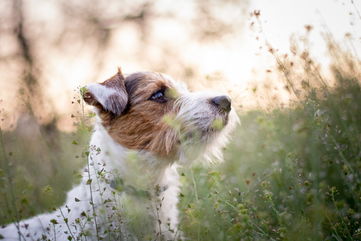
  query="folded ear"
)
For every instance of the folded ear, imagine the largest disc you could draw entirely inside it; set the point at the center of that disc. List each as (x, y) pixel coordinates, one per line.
(109, 96)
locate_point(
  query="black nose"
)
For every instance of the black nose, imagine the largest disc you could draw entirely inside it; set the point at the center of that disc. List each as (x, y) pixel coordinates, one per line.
(223, 102)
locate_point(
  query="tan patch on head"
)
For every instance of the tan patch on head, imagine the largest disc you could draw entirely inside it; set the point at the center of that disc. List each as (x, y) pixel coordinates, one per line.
(142, 127)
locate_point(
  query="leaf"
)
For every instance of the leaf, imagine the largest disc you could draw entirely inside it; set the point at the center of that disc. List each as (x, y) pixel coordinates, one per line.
(91, 115)
(24, 201)
(76, 200)
(83, 90)
(53, 221)
(47, 189)
(89, 181)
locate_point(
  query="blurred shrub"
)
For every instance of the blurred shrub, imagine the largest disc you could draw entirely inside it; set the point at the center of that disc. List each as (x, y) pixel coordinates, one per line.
(36, 170)
(290, 173)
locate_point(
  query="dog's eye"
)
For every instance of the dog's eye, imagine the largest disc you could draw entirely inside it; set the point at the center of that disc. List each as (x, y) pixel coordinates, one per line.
(159, 96)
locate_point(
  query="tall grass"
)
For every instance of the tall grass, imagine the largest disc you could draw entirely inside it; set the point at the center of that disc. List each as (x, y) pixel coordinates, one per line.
(290, 173)
(37, 169)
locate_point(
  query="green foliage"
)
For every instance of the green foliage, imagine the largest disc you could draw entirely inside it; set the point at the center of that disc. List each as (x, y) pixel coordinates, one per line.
(290, 174)
(36, 171)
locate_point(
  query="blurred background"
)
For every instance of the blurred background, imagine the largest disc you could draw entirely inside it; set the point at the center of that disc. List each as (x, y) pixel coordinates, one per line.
(291, 68)
(49, 49)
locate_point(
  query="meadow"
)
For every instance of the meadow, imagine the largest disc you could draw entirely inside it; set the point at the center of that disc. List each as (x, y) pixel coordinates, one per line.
(290, 172)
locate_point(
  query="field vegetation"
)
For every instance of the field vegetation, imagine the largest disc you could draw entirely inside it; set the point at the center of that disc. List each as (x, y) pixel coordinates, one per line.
(292, 171)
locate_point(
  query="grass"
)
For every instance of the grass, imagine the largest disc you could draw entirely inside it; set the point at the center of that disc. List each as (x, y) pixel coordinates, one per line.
(37, 170)
(291, 173)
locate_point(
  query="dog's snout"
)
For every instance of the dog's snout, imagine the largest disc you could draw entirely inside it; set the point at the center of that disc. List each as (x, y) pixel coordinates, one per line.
(222, 102)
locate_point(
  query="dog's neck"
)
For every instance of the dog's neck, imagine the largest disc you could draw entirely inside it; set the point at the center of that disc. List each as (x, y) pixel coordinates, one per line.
(138, 169)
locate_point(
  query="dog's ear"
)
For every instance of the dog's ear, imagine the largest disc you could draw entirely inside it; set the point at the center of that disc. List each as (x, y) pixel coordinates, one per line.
(109, 96)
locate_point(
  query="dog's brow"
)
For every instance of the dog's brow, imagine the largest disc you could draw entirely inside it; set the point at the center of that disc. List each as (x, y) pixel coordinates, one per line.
(132, 82)
(150, 82)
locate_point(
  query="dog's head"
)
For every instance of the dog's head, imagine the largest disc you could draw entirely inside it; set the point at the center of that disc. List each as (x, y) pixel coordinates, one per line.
(151, 112)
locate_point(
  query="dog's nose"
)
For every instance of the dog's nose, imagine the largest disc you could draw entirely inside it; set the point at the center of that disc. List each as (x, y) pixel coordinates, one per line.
(223, 102)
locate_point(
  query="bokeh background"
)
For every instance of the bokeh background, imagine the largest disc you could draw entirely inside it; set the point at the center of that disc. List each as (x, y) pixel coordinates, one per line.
(292, 171)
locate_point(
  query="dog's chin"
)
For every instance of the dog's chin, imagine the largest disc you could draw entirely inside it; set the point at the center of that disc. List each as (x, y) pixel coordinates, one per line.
(203, 135)
(215, 126)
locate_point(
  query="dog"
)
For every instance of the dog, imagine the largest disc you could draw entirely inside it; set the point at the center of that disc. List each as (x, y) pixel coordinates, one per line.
(146, 125)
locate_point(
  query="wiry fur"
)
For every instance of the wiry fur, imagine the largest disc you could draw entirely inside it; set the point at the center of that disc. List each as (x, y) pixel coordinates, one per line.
(130, 186)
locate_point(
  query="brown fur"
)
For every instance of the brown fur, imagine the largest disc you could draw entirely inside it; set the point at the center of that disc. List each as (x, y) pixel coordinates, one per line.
(141, 126)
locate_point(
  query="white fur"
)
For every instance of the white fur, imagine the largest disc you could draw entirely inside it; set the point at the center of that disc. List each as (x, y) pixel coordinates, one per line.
(149, 186)
(196, 115)
(101, 93)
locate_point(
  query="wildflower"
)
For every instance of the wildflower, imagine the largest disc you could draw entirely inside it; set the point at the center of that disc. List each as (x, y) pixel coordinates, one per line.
(308, 27)
(257, 13)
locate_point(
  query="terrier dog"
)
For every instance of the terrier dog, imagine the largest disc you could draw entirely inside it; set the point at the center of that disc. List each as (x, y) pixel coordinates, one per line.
(146, 125)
